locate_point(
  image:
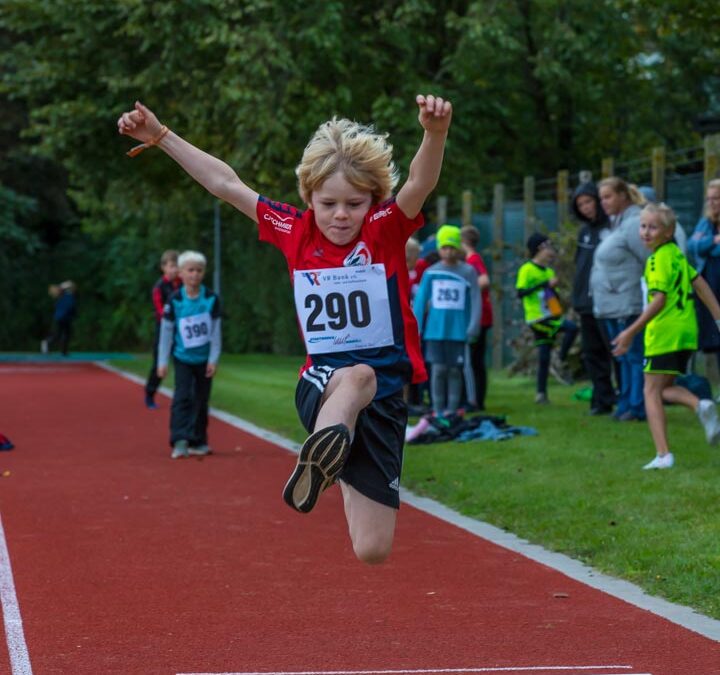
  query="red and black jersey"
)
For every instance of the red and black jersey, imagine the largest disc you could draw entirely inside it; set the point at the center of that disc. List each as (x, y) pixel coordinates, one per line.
(161, 292)
(381, 240)
(486, 320)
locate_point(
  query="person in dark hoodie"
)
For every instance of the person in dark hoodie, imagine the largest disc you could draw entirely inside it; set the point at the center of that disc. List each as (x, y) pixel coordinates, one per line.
(595, 345)
(63, 317)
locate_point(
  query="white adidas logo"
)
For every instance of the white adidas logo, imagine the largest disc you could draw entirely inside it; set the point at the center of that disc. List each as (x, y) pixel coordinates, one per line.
(394, 484)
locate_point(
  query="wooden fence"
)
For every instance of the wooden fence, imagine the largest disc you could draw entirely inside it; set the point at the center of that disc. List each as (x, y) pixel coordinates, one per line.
(658, 162)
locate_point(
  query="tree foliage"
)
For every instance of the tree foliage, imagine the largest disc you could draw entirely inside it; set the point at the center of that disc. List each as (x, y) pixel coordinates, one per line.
(537, 85)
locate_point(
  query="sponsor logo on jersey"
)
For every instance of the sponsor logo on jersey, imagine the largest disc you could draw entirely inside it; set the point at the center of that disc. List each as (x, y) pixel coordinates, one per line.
(280, 223)
(380, 214)
(360, 255)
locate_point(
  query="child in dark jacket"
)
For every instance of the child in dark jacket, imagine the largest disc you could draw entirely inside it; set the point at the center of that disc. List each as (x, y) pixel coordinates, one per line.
(595, 344)
(63, 317)
(164, 287)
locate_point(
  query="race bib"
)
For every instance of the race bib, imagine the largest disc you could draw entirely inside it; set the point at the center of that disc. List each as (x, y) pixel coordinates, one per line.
(195, 330)
(343, 308)
(448, 294)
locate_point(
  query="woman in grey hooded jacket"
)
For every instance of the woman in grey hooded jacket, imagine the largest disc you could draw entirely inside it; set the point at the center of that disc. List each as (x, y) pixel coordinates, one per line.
(618, 267)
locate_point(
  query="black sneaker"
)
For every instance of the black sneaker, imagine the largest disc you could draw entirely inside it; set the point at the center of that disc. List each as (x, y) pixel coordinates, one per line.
(320, 460)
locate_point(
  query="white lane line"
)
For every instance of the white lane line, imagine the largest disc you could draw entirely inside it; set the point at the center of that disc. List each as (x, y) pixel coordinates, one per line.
(19, 657)
(489, 669)
(681, 615)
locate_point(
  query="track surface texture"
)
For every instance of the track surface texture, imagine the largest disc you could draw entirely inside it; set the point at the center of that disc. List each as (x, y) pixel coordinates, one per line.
(126, 562)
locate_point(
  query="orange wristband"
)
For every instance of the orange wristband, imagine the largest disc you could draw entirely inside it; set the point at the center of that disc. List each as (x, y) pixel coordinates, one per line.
(144, 146)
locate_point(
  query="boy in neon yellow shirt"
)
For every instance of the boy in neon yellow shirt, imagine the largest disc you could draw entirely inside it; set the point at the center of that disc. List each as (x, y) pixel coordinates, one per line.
(535, 284)
(670, 330)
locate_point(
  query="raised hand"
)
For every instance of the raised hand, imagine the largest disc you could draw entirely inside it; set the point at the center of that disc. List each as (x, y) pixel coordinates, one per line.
(434, 113)
(140, 123)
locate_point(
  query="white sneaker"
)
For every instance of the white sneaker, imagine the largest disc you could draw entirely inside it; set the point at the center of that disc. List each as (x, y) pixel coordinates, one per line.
(180, 450)
(661, 462)
(707, 412)
(203, 449)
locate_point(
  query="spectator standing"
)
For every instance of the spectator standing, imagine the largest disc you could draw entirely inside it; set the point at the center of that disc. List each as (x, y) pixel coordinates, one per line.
(670, 331)
(536, 283)
(413, 391)
(447, 307)
(615, 286)
(704, 248)
(63, 316)
(164, 287)
(596, 355)
(191, 332)
(412, 256)
(476, 367)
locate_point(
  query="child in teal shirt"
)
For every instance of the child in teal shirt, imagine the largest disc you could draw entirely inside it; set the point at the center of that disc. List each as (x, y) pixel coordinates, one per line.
(447, 307)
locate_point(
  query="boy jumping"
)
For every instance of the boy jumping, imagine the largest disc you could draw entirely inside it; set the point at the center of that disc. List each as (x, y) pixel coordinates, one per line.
(346, 258)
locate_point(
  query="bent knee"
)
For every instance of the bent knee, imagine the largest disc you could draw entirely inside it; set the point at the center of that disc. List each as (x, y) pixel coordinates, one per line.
(373, 550)
(363, 377)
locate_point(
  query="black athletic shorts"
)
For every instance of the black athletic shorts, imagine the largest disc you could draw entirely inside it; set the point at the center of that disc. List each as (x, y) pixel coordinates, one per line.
(672, 363)
(376, 454)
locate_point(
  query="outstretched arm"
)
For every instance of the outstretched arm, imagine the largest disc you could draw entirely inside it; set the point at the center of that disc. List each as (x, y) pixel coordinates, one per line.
(705, 293)
(212, 173)
(434, 117)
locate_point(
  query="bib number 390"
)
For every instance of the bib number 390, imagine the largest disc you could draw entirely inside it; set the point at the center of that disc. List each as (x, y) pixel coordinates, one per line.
(195, 330)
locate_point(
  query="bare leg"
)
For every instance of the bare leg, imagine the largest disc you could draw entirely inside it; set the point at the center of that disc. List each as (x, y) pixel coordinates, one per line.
(654, 385)
(680, 395)
(348, 392)
(371, 525)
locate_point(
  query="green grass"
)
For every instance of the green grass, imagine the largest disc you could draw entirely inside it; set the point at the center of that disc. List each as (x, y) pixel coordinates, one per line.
(576, 488)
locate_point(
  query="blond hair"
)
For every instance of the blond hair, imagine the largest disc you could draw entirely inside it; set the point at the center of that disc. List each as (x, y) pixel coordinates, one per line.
(619, 186)
(412, 245)
(714, 184)
(363, 156)
(666, 216)
(187, 257)
(171, 255)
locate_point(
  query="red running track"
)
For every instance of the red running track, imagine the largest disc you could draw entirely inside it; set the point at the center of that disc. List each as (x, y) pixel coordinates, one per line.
(127, 562)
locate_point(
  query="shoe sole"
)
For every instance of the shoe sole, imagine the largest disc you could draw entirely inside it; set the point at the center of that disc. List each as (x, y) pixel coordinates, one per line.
(320, 460)
(200, 453)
